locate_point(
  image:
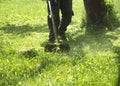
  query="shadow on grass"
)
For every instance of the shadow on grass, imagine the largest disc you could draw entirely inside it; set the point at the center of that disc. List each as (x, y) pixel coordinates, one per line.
(95, 38)
(30, 53)
(13, 29)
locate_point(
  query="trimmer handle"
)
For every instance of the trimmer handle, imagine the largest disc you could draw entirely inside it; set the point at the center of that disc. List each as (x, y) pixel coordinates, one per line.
(51, 15)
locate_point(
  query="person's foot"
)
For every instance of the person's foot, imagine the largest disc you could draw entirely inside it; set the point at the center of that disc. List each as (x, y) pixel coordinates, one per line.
(62, 37)
(52, 39)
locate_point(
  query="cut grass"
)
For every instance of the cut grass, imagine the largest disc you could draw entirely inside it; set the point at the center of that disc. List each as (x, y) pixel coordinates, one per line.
(92, 60)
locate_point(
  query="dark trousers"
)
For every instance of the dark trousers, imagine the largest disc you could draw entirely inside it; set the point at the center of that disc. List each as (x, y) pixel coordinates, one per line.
(61, 22)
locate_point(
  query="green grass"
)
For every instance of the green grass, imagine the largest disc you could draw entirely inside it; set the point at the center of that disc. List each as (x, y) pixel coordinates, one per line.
(92, 60)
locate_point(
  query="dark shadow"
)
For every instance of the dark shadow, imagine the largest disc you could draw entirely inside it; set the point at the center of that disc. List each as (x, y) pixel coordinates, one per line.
(30, 53)
(13, 29)
(93, 34)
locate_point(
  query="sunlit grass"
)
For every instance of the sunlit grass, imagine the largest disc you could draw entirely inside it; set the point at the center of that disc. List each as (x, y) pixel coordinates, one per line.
(91, 61)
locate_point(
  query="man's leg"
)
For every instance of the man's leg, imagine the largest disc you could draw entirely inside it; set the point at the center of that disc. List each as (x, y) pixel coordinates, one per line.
(55, 10)
(66, 10)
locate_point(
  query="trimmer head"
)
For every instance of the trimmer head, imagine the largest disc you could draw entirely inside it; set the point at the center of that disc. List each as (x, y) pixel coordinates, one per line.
(57, 47)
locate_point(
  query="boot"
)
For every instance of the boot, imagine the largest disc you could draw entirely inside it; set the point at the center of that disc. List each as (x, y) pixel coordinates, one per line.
(62, 36)
(51, 37)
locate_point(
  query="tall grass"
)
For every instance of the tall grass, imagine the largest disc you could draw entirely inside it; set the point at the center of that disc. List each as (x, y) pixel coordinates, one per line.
(92, 60)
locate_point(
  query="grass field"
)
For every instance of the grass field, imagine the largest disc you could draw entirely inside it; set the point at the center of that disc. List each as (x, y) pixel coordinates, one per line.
(92, 61)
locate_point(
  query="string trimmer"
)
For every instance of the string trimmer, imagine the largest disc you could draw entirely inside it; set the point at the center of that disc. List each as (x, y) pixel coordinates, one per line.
(57, 45)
